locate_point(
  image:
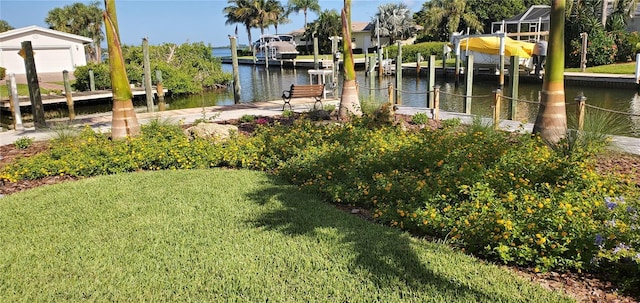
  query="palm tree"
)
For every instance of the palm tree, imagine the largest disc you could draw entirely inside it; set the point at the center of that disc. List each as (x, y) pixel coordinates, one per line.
(349, 103)
(395, 21)
(243, 12)
(443, 17)
(80, 19)
(327, 25)
(304, 6)
(4, 26)
(623, 10)
(267, 13)
(123, 120)
(551, 122)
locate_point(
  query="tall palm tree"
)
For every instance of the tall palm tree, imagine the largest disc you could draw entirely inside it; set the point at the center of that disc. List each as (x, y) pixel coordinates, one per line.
(443, 17)
(349, 103)
(267, 13)
(123, 120)
(623, 10)
(327, 25)
(395, 20)
(304, 6)
(80, 19)
(551, 122)
(243, 12)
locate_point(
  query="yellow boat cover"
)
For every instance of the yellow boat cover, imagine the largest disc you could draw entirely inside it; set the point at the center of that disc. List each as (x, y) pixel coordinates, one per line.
(491, 45)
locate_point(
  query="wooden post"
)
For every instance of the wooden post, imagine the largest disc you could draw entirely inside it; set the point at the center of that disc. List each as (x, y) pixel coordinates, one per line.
(160, 89)
(92, 81)
(502, 46)
(11, 106)
(456, 76)
(67, 93)
(514, 80)
(34, 86)
(399, 75)
(236, 73)
(390, 91)
(380, 68)
(444, 60)
(469, 84)
(497, 108)
(581, 99)
(147, 74)
(431, 80)
(418, 65)
(366, 61)
(372, 64)
(436, 103)
(583, 53)
(315, 52)
(13, 92)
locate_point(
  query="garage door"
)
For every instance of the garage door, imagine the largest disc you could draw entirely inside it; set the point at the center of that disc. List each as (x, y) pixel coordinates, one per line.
(53, 60)
(48, 60)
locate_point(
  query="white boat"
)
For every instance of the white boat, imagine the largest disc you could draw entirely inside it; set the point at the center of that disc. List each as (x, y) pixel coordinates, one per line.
(275, 47)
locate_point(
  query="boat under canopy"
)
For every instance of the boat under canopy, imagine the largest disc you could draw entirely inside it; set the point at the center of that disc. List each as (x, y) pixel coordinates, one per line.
(486, 50)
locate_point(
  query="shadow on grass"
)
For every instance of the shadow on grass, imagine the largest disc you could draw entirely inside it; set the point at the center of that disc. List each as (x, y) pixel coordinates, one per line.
(386, 254)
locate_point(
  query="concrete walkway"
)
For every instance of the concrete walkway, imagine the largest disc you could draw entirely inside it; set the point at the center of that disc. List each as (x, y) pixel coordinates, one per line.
(102, 122)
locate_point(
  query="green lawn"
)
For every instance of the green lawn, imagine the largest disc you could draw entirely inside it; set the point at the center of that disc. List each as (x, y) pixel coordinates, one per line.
(23, 90)
(223, 236)
(618, 68)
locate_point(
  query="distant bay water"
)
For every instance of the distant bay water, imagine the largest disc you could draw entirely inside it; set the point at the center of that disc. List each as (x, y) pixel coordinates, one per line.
(260, 84)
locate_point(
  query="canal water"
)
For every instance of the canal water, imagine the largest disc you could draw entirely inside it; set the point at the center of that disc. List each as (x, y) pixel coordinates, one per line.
(261, 84)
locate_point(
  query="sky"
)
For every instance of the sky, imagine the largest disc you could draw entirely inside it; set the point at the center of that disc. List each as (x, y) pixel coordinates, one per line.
(180, 21)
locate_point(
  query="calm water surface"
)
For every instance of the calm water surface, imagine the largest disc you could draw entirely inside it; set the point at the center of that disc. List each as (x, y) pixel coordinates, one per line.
(260, 84)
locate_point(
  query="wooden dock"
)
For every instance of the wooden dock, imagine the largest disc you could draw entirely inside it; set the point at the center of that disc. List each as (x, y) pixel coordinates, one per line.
(77, 96)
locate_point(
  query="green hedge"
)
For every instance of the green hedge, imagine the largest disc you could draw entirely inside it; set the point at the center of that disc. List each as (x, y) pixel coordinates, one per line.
(410, 52)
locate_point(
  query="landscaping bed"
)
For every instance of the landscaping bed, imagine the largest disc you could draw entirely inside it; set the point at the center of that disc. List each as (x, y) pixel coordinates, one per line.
(581, 286)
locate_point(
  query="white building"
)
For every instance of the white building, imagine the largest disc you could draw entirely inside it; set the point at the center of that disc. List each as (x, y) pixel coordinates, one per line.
(54, 51)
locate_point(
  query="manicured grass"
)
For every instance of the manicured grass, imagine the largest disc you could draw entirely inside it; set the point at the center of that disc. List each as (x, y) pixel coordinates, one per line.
(223, 236)
(619, 68)
(23, 90)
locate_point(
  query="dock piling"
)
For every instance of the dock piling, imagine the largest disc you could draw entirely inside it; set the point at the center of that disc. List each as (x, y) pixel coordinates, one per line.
(581, 99)
(497, 108)
(160, 90)
(431, 80)
(147, 74)
(67, 94)
(514, 80)
(92, 81)
(13, 93)
(34, 86)
(468, 72)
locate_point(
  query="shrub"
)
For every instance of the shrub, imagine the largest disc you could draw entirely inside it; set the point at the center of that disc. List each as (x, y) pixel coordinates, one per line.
(247, 118)
(23, 142)
(410, 52)
(420, 118)
(3, 73)
(102, 78)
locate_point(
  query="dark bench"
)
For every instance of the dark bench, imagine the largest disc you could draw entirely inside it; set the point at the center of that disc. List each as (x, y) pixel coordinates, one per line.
(303, 91)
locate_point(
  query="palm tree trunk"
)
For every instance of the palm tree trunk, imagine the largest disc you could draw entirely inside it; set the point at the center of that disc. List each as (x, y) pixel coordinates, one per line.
(124, 121)
(551, 122)
(349, 103)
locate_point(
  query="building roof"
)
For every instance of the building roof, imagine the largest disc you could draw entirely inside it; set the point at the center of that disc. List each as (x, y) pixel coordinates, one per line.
(34, 28)
(531, 15)
(355, 27)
